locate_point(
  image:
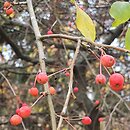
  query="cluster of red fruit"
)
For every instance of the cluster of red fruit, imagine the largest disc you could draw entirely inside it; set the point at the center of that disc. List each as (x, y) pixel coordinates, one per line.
(41, 78)
(21, 113)
(8, 8)
(116, 80)
(25, 110)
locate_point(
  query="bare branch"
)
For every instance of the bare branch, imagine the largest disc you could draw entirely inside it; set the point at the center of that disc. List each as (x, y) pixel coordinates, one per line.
(70, 86)
(41, 59)
(75, 38)
(110, 117)
(8, 84)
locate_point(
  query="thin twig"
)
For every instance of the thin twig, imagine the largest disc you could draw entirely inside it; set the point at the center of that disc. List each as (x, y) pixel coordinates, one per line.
(58, 72)
(19, 3)
(89, 65)
(37, 100)
(23, 126)
(73, 118)
(13, 94)
(111, 114)
(121, 99)
(70, 124)
(70, 85)
(9, 84)
(53, 24)
(75, 38)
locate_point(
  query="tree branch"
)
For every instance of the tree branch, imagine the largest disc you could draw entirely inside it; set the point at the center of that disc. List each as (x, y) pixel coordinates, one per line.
(115, 33)
(70, 86)
(41, 59)
(75, 38)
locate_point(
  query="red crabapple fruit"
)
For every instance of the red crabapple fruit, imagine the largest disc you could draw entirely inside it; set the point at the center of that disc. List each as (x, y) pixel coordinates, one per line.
(101, 119)
(86, 120)
(7, 4)
(97, 102)
(67, 74)
(100, 79)
(116, 81)
(52, 90)
(24, 111)
(33, 91)
(49, 32)
(42, 78)
(76, 89)
(107, 60)
(15, 120)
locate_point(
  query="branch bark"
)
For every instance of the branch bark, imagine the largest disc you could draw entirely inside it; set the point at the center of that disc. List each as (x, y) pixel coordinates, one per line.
(41, 59)
(75, 38)
(64, 110)
(115, 33)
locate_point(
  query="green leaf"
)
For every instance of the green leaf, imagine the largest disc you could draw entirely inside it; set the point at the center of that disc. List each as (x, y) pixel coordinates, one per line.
(127, 39)
(120, 11)
(72, 1)
(85, 24)
(116, 23)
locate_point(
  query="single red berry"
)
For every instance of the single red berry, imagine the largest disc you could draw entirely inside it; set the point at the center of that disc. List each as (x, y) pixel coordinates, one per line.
(33, 91)
(10, 11)
(100, 79)
(107, 60)
(24, 111)
(52, 90)
(101, 119)
(86, 120)
(15, 120)
(76, 89)
(42, 78)
(97, 102)
(116, 81)
(7, 4)
(67, 74)
(49, 32)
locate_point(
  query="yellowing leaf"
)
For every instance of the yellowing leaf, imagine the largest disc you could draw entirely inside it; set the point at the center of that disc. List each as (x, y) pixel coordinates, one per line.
(85, 24)
(72, 1)
(127, 39)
